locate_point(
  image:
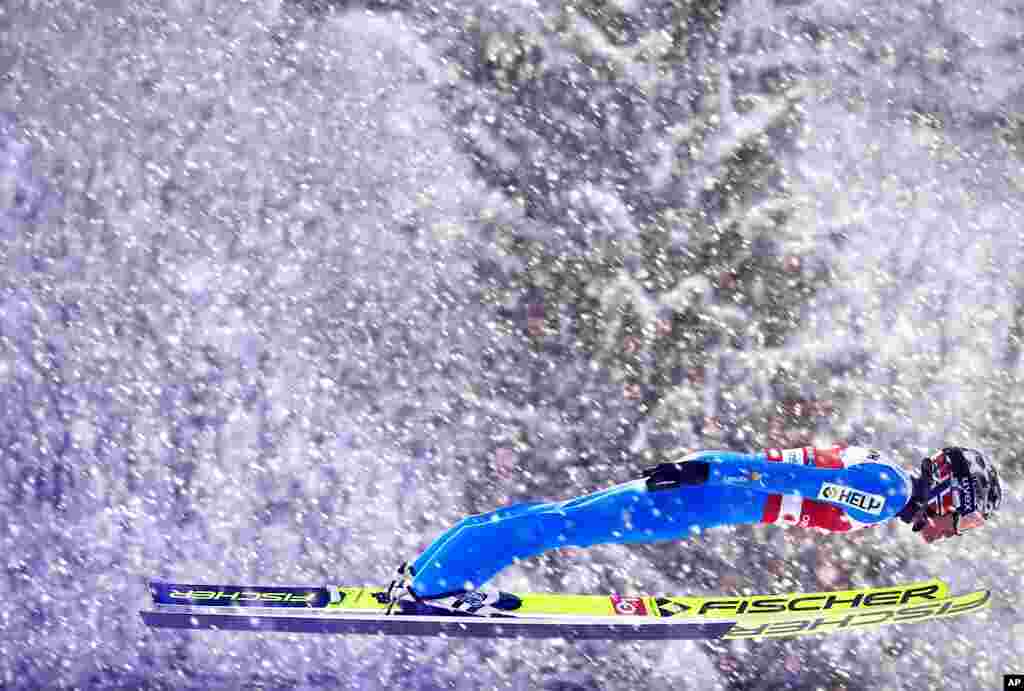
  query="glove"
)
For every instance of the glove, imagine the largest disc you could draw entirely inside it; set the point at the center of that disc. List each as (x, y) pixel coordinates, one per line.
(669, 475)
(916, 511)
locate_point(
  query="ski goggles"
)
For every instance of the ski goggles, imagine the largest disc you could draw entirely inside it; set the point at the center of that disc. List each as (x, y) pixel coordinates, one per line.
(962, 524)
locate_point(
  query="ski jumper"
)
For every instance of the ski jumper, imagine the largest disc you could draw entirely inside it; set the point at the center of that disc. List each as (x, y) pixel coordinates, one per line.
(835, 489)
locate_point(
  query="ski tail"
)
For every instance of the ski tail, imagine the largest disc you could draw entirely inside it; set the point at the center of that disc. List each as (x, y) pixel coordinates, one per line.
(429, 625)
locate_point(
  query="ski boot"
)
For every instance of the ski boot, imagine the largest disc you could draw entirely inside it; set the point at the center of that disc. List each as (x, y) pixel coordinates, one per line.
(398, 590)
(475, 602)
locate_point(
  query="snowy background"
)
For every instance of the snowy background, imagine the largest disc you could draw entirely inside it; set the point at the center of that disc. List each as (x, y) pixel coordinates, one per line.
(290, 286)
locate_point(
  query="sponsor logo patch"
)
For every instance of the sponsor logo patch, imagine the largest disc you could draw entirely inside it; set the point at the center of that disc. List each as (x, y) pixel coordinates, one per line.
(968, 496)
(629, 606)
(847, 496)
(793, 456)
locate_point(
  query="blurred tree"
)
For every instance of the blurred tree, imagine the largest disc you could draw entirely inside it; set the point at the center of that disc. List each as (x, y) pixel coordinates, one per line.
(657, 269)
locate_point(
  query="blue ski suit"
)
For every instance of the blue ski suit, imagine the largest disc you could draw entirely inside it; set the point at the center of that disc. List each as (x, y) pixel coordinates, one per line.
(836, 489)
